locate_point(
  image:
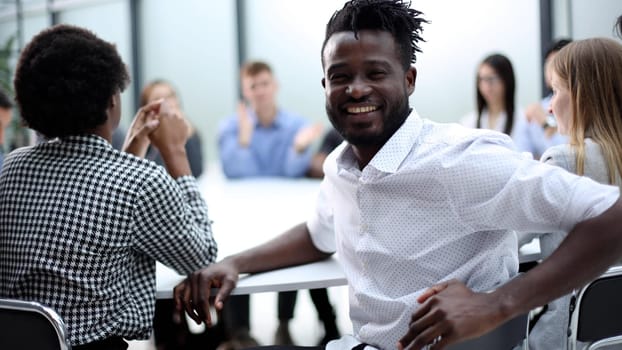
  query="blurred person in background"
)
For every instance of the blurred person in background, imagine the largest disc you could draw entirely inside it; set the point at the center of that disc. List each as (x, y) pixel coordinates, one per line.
(496, 106)
(260, 140)
(542, 126)
(160, 89)
(6, 114)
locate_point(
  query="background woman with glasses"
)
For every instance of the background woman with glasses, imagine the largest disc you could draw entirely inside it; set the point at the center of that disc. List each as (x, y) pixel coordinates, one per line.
(496, 107)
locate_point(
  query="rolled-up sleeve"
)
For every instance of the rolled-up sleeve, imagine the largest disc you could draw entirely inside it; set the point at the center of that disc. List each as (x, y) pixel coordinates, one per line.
(320, 223)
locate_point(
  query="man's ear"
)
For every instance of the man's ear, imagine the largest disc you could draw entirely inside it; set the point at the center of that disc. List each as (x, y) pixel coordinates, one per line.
(411, 78)
(324, 83)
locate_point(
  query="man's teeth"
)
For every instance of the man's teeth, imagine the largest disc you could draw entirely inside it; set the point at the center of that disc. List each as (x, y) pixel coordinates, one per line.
(366, 109)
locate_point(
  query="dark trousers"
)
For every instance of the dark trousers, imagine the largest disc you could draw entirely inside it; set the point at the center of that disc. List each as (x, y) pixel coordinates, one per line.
(287, 303)
(295, 347)
(287, 347)
(112, 343)
(236, 313)
(170, 335)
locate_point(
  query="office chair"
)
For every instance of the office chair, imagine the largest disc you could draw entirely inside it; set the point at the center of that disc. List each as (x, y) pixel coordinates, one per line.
(505, 337)
(29, 325)
(596, 318)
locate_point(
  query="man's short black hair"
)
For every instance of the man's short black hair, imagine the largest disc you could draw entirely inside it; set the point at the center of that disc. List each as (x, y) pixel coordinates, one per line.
(556, 46)
(393, 16)
(64, 80)
(5, 100)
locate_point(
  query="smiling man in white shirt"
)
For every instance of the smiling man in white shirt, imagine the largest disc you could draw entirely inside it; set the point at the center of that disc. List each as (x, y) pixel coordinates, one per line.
(408, 203)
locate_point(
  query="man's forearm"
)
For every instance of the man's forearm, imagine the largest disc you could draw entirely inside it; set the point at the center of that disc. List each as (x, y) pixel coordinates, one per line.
(293, 247)
(245, 136)
(588, 250)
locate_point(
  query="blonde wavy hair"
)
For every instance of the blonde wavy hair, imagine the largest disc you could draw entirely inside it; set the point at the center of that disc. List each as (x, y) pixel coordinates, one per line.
(591, 69)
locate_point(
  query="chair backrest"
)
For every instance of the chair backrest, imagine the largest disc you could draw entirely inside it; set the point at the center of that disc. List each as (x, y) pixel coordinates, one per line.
(597, 313)
(30, 325)
(610, 343)
(505, 337)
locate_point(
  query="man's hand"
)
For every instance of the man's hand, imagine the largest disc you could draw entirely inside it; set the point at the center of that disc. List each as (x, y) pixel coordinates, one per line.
(450, 312)
(144, 123)
(535, 113)
(245, 126)
(305, 136)
(193, 294)
(6, 114)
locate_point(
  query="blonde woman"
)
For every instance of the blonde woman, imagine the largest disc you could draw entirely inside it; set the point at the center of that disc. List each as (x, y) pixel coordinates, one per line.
(587, 103)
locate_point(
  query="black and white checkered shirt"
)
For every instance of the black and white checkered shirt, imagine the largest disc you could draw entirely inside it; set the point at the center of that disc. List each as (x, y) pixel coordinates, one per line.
(81, 226)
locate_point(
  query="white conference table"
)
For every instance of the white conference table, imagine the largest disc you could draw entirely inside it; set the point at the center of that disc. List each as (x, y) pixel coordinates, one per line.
(248, 212)
(322, 274)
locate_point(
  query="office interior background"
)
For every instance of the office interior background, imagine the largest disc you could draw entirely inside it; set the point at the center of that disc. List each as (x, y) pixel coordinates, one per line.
(198, 46)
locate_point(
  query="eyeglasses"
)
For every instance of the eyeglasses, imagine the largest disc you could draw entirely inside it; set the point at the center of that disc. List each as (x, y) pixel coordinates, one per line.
(493, 79)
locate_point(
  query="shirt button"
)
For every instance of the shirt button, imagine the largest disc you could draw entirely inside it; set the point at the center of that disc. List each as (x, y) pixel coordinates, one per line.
(364, 228)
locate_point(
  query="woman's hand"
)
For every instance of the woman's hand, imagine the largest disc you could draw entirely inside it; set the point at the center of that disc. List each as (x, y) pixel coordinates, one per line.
(145, 122)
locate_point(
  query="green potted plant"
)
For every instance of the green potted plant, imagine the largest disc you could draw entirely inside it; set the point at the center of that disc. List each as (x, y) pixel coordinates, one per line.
(16, 135)
(5, 69)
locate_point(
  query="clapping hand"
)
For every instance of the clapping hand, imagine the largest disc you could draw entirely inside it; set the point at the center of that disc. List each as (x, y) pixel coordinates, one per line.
(306, 136)
(144, 123)
(245, 125)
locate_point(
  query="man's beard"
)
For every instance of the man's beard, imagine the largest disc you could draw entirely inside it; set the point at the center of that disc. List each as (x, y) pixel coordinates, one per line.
(391, 122)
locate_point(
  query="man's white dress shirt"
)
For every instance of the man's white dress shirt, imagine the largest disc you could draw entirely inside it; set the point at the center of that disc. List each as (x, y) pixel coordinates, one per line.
(437, 202)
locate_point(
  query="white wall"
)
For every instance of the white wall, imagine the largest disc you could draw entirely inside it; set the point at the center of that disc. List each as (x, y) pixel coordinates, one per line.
(192, 44)
(562, 26)
(591, 18)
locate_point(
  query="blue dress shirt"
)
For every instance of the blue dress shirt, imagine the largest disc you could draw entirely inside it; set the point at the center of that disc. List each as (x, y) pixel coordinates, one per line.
(270, 152)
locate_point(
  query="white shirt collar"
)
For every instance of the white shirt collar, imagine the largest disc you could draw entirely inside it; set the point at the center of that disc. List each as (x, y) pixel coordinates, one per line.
(392, 154)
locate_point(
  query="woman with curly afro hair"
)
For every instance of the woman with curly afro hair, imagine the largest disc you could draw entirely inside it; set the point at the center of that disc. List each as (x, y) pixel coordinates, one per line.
(82, 224)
